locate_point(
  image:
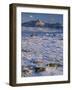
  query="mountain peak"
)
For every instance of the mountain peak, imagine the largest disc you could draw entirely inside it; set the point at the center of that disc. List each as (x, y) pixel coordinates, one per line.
(39, 23)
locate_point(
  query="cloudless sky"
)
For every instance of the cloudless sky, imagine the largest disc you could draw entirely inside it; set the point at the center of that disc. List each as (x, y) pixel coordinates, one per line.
(49, 18)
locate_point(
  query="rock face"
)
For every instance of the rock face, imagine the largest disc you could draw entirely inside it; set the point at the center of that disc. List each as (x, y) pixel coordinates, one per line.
(40, 23)
(39, 69)
(53, 65)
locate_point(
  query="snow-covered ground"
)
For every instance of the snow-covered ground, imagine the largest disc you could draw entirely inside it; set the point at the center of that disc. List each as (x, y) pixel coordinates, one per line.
(42, 55)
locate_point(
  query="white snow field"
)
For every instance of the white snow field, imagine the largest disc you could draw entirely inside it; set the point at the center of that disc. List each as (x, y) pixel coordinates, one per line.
(42, 55)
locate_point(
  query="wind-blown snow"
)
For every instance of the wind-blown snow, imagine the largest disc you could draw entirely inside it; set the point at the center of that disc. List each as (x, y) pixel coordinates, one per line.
(42, 55)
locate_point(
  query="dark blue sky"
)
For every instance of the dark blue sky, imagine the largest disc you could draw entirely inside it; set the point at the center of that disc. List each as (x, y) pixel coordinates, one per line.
(50, 18)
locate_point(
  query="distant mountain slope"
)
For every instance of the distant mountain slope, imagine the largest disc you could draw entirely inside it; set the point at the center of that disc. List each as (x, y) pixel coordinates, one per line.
(40, 23)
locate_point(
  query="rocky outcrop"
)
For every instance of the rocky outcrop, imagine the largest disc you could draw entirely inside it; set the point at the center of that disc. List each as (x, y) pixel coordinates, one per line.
(40, 23)
(39, 69)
